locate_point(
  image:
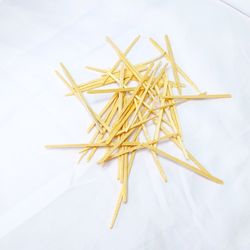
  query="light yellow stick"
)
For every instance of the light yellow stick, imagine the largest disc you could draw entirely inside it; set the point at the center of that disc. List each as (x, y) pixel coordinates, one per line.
(173, 111)
(104, 110)
(146, 92)
(159, 122)
(173, 84)
(126, 108)
(124, 137)
(100, 136)
(194, 160)
(125, 60)
(125, 165)
(136, 125)
(89, 145)
(126, 52)
(122, 119)
(185, 164)
(104, 144)
(191, 157)
(158, 163)
(172, 61)
(134, 148)
(74, 88)
(116, 73)
(184, 75)
(93, 84)
(168, 105)
(117, 144)
(176, 120)
(95, 136)
(141, 66)
(151, 110)
(111, 90)
(83, 87)
(175, 159)
(109, 152)
(108, 119)
(120, 197)
(173, 103)
(193, 97)
(121, 101)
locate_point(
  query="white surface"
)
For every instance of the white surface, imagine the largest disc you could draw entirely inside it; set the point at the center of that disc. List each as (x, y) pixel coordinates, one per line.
(40, 208)
(242, 7)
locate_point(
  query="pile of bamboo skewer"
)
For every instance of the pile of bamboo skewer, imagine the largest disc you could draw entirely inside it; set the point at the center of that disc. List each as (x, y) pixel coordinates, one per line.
(144, 96)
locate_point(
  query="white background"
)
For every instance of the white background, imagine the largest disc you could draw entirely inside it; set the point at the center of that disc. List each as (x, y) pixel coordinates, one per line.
(42, 207)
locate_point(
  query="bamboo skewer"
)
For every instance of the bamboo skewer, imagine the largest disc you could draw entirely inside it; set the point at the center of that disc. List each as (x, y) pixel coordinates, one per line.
(104, 144)
(100, 136)
(107, 106)
(104, 91)
(185, 164)
(172, 61)
(157, 162)
(81, 98)
(126, 52)
(193, 97)
(146, 91)
(120, 197)
(184, 75)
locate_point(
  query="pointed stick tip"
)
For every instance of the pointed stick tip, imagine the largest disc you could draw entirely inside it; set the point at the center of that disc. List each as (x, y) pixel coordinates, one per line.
(166, 36)
(221, 182)
(138, 37)
(107, 38)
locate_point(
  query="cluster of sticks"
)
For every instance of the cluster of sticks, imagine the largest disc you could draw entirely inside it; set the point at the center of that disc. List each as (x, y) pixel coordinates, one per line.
(150, 102)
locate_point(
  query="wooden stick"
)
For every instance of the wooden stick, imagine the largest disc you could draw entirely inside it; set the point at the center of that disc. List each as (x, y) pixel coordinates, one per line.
(104, 144)
(159, 122)
(157, 162)
(125, 60)
(193, 97)
(126, 52)
(111, 90)
(121, 104)
(194, 160)
(172, 61)
(110, 118)
(117, 144)
(74, 88)
(184, 75)
(146, 91)
(104, 110)
(185, 164)
(120, 197)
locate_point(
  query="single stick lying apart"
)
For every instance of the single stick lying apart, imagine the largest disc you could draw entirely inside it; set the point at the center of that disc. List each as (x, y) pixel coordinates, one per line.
(144, 98)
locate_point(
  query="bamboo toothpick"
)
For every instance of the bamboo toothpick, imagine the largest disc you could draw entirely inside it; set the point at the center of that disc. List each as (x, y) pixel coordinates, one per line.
(184, 75)
(172, 61)
(126, 52)
(193, 97)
